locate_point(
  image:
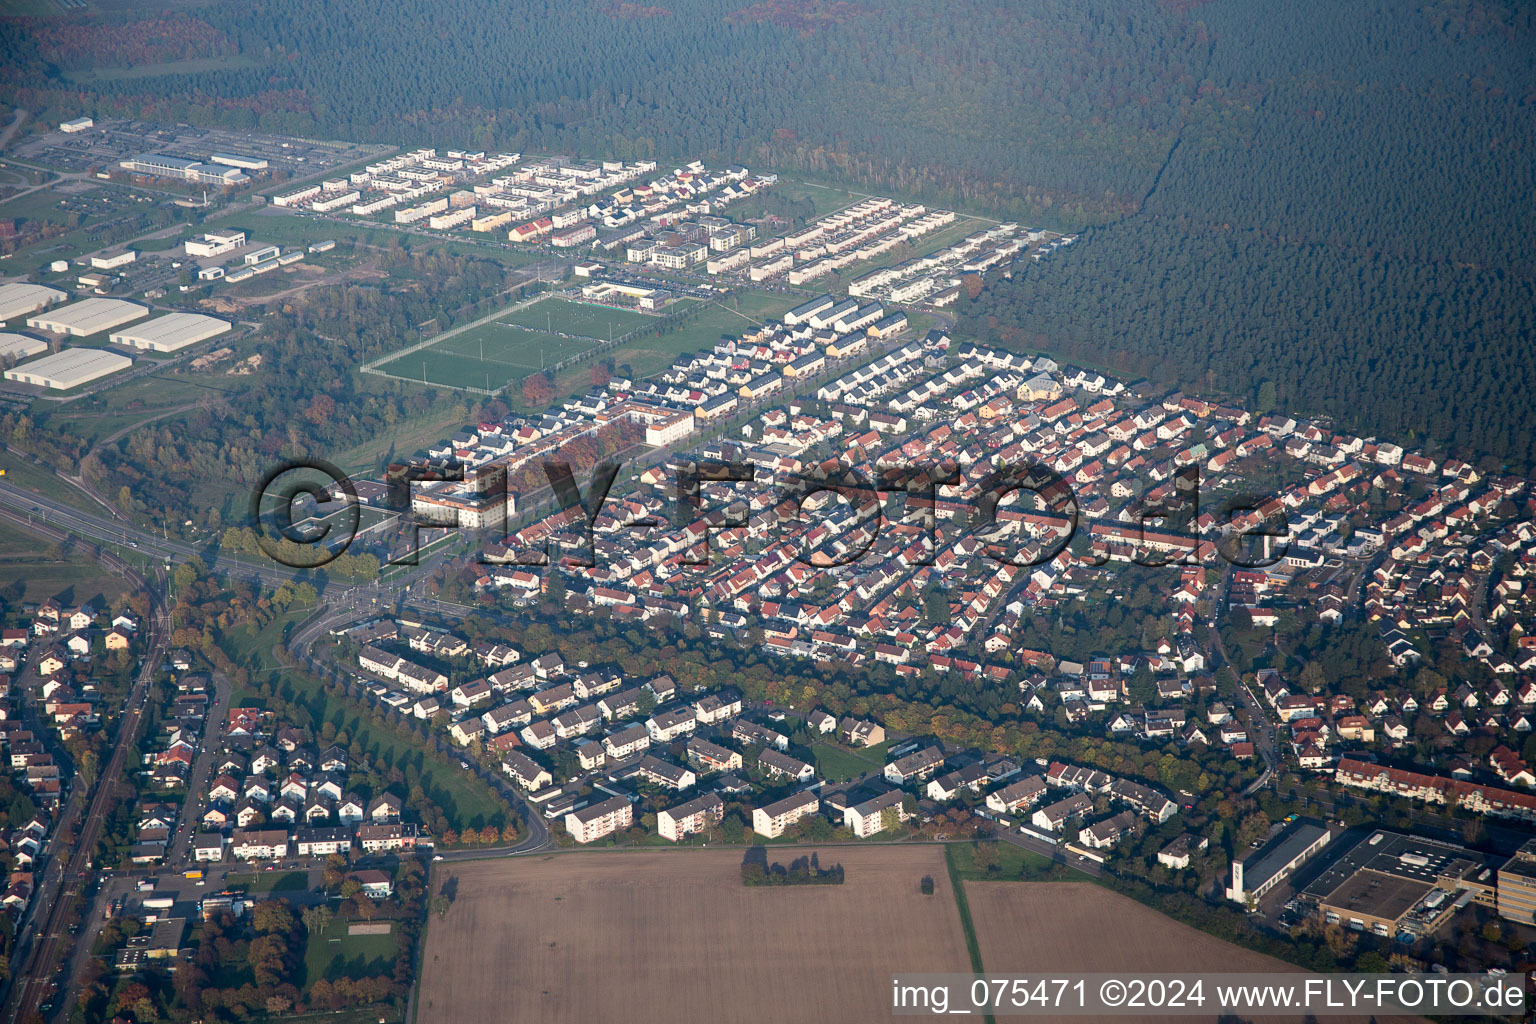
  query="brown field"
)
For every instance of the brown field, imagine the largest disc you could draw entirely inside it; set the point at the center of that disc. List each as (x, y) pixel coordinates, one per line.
(1029, 927)
(673, 935)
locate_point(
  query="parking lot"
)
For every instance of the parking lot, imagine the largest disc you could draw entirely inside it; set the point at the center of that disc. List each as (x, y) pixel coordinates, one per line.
(109, 142)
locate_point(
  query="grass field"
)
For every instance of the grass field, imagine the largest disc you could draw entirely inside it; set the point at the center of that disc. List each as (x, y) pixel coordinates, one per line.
(74, 579)
(518, 342)
(1012, 862)
(489, 356)
(578, 319)
(835, 762)
(672, 935)
(515, 344)
(335, 954)
(741, 313)
(272, 225)
(23, 474)
(134, 401)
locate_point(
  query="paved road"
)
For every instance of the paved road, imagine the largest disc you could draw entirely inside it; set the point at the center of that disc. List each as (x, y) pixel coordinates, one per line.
(1260, 729)
(180, 846)
(35, 977)
(301, 644)
(98, 529)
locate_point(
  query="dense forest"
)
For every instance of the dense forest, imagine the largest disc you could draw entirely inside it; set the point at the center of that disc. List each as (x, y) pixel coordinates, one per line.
(1341, 217)
(1055, 105)
(1327, 197)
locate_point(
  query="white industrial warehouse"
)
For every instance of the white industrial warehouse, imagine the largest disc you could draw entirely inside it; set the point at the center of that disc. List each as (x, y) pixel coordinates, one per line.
(19, 298)
(171, 332)
(20, 346)
(69, 368)
(88, 316)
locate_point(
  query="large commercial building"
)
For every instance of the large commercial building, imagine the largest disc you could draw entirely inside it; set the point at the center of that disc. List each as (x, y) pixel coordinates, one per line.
(246, 163)
(20, 346)
(69, 368)
(88, 316)
(1273, 862)
(1397, 885)
(171, 332)
(215, 243)
(161, 166)
(1517, 885)
(113, 258)
(20, 298)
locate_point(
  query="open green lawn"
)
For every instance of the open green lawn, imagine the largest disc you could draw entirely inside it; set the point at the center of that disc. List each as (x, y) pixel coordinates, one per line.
(464, 799)
(335, 954)
(743, 312)
(26, 559)
(835, 762)
(275, 226)
(40, 205)
(71, 581)
(578, 319)
(826, 198)
(976, 861)
(489, 356)
(374, 1014)
(23, 474)
(109, 411)
(278, 228)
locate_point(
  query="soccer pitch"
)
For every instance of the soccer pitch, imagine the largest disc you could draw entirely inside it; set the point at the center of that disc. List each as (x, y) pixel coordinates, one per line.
(577, 319)
(518, 342)
(489, 356)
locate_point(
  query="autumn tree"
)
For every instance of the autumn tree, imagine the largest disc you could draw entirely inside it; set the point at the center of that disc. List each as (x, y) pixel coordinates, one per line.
(538, 390)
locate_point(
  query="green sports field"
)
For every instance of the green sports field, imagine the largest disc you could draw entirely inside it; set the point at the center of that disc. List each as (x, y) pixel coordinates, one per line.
(578, 319)
(515, 344)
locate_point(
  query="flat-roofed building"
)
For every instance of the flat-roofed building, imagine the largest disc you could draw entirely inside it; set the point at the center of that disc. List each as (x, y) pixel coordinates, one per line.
(1272, 863)
(87, 317)
(69, 369)
(114, 258)
(21, 298)
(1517, 885)
(240, 160)
(165, 938)
(171, 332)
(215, 243)
(1394, 884)
(161, 166)
(20, 346)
